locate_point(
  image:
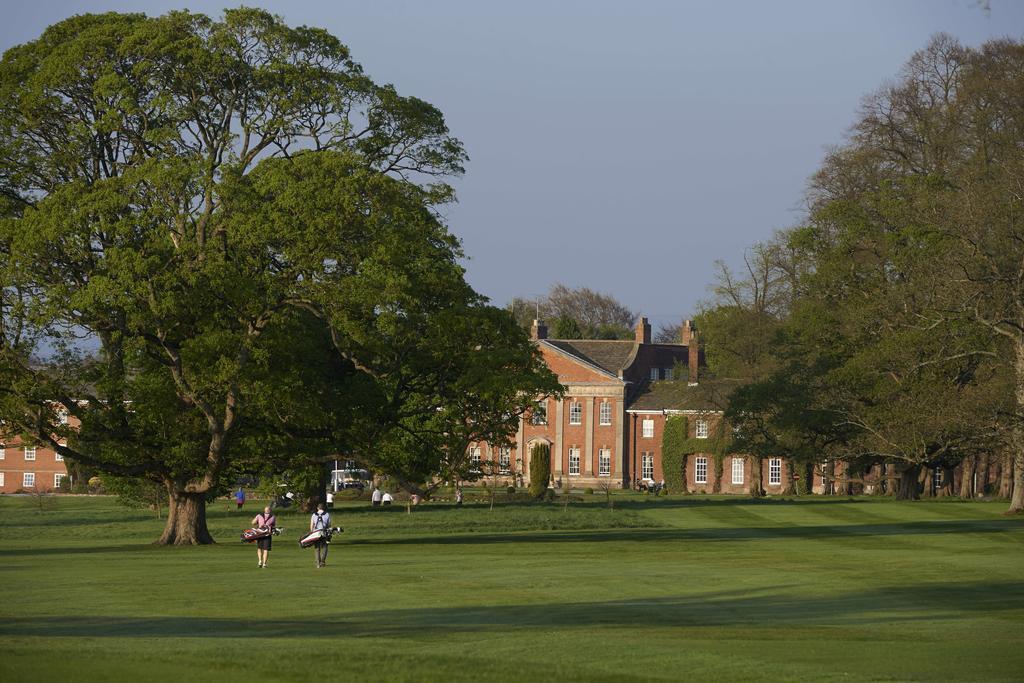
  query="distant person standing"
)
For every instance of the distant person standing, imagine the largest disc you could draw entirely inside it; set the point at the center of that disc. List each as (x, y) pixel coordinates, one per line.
(239, 498)
(269, 520)
(376, 496)
(386, 498)
(458, 496)
(321, 519)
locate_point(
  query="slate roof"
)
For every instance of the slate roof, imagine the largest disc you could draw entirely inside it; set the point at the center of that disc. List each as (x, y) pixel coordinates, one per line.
(611, 355)
(675, 395)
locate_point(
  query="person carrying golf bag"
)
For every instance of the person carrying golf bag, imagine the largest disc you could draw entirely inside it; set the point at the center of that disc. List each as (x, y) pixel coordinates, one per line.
(321, 520)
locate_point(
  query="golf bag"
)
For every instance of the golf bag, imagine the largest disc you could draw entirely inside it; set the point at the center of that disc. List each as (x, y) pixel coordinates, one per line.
(256, 533)
(318, 535)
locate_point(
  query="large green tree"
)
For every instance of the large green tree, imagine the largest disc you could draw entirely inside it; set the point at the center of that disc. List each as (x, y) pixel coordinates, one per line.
(905, 329)
(221, 236)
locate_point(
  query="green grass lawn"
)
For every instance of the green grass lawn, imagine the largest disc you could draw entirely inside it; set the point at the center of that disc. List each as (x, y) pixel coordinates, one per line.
(667, 588)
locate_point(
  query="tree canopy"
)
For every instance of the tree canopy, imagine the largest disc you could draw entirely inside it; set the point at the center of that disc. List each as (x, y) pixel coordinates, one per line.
(899, 335)
(577, 313)
(222, 238)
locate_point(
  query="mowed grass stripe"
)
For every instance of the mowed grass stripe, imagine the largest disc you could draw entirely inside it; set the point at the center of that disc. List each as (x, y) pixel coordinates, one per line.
(765, 594)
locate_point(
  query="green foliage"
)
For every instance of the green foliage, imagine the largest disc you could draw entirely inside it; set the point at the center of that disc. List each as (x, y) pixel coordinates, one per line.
(137, 493)
(677, 444)
(540, 469)
(255, 305)
(674, 442)
(566, 328)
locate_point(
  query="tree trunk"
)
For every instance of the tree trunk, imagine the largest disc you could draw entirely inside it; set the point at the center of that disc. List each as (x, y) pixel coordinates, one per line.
(1017, 433)
(891, 479)
(1005, 474)
(756, 480)
(948, 480)
(186, 520)
(808, 474)
(982, 471)
(719, 471)
(926, 482)
(968, 468)
(790, 487)
(908, 487)
(315, 491)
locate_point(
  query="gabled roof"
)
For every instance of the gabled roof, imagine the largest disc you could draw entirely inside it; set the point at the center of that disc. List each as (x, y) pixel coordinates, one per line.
(610, 355)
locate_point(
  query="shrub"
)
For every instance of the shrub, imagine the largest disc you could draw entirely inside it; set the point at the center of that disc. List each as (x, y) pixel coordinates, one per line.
(589, 491)
(540, 469)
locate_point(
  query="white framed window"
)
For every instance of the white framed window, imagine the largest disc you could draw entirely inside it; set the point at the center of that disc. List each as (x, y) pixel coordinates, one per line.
(540, 413)
(604, 462)
(28, 479)
(668, 373)
(824, 470)
(655, 374)
(2, 479)
(648, 428)
(937, 478)
(30, 452)
(505, 459)
(57, 479)
(700, 470)
(702, 429)
(575, 413)
(3, 452)
(606, 413)
(647, 466)
(775, 471)
(574, 461)
(474, 456)
(737, 470)
(58, 457)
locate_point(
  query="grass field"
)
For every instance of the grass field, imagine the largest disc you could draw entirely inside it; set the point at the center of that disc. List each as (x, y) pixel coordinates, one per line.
(667, 588)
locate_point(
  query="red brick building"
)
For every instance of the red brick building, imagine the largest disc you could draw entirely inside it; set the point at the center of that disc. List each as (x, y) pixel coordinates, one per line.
(608, 428)
(27, 467)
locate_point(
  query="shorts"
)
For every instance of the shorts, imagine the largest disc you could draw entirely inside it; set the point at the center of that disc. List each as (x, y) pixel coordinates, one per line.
(264, 543)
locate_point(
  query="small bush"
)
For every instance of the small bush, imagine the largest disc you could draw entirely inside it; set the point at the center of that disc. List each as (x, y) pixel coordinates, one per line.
(589, 491)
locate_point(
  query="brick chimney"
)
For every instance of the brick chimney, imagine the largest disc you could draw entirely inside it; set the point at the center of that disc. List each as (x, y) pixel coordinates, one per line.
(684, 333)
(643, 332)
(693, 349)
(539, 330)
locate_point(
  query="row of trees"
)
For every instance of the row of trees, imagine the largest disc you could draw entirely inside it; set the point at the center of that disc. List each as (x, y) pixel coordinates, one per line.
(222, 254)
(889, 328)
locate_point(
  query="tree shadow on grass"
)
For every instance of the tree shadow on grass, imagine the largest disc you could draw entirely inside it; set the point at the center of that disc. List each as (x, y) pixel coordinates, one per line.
(780, 606)
(657, 535)
(597, 501)
(95, 549)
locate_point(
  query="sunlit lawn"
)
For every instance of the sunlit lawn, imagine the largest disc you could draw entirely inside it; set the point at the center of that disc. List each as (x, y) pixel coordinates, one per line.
(672, 588)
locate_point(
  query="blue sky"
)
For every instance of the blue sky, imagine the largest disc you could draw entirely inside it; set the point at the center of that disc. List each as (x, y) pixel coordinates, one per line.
(623, 146)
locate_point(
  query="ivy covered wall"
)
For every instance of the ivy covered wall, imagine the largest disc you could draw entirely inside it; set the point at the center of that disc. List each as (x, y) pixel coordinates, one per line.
(677, 444)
